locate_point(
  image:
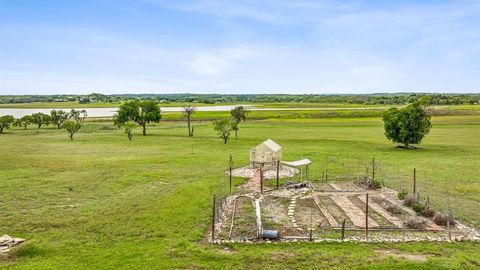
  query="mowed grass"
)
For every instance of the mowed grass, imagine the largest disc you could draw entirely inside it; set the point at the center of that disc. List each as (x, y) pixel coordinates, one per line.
(103, 202)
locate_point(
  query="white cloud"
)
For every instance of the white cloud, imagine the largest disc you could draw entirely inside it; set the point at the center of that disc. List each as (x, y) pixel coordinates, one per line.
(215, 63)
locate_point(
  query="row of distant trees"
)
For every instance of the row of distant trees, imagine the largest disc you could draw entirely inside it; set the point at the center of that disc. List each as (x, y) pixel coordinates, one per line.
(71, 121)
(130, 115)
(407, 125)
(369, 99)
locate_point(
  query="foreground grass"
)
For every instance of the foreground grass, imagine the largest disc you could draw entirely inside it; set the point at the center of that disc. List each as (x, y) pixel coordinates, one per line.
(103, 202)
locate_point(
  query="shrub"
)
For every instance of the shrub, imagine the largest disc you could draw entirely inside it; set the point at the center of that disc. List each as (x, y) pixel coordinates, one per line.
(418, 207)
(415, 223)
(402, 194)
(368, 183)
(441, 219)
(427, 212)
(410, 200)
(393, 209)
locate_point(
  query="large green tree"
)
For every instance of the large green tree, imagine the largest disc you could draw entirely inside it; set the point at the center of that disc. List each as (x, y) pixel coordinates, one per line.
(40, 119)
(407, 125)
(140, 112)
(23, 121)
(238, 114)
(75, 122)
(5, 122)
(223, 128)
(57, 117)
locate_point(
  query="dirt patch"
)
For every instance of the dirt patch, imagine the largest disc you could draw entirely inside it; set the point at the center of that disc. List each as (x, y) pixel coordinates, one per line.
(274, 215)
(344, 186)
(402, 255)
(336, 212)
(385, 204)
(268, 173)
(355, 213)
(307, 214)
(372, 214)
(322, 186)
(244, 223)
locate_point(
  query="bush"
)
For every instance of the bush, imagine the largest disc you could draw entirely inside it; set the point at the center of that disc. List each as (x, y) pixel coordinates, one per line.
(415, 223)
(441, 219)
(428, 212)
(402, 194)
(393, 209)
(410, 200)
(418, 207)
(368, 183)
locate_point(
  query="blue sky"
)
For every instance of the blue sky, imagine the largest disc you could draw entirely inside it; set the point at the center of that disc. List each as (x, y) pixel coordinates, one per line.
(268, 46)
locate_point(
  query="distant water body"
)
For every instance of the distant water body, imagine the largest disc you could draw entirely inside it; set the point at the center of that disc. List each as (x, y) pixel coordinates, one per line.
(108, 112)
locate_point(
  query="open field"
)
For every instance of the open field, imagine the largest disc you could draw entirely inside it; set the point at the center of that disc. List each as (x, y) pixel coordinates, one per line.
(104, 202)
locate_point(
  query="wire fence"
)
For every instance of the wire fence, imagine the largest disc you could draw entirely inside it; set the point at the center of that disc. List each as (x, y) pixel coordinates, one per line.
(424, 183)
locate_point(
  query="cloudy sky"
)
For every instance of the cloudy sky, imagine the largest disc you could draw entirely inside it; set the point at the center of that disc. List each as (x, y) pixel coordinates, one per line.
(264, 46)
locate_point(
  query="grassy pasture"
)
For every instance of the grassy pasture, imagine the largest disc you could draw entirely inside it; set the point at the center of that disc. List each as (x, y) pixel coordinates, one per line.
(102, 202)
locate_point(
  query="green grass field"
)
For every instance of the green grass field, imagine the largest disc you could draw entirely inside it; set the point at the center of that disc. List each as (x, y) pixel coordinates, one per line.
(103, 202)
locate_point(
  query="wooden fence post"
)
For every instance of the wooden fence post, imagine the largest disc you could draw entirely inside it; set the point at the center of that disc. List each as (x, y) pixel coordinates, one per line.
(448, 226)
(278, 171)
(366, 216)
(230, 179)
(343, 229)
(414, 181)
(261, 178)
(373, 169)
(213, 216)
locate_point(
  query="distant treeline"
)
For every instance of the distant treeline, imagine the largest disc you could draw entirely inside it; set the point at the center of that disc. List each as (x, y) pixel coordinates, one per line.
(368, 99)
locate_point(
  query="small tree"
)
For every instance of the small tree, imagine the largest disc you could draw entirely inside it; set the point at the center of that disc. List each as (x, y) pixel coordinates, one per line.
(40, 119)
(188, 111)
(5, 122)
(75, 122)
(129, 127)
(23, 121)
(57, 117)
(140, 112)
(238, 114)
(407, 125)
(223, 128)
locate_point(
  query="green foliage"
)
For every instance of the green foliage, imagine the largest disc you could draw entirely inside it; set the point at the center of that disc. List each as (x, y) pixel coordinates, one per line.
(367, 99)
(103, 198)
(238, 114)
(223, 128)
(418, 207)
(407, 125)
(128, 128)
(140, 112)
(402, 194)
(57, 117)
(5, 122)
(40, 119)
(23, 121)
(75, 122)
